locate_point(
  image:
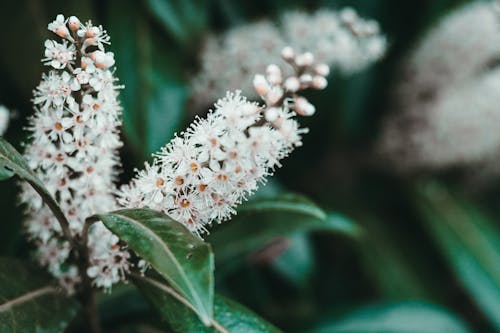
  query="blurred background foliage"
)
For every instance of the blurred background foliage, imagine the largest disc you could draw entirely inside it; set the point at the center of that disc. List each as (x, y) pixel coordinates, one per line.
(399, 243)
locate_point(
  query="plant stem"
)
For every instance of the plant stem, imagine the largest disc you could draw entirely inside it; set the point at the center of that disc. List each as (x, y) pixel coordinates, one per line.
(87, 293)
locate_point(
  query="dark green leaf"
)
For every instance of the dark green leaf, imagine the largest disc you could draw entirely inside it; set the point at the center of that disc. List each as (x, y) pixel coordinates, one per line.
(407, 317)
(184, 260)
(30, 302)
(15, 162)
(229, 316)
(470, 243)
(297, 262)
(183, 19)
(5, 173)
(260, 221)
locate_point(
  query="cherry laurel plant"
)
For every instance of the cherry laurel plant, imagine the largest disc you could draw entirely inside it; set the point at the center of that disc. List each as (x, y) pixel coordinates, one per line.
(197, 179)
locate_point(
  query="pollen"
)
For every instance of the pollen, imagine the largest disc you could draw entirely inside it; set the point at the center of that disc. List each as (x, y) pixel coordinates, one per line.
(58, 126)
(160, 182)
(179, 180)
(185, 203)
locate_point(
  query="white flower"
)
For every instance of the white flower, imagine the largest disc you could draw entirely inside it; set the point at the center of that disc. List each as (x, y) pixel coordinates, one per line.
(4, 119)
(342, 40)
(58, 55)
(203, 174)
(74, 152)
(448, 95)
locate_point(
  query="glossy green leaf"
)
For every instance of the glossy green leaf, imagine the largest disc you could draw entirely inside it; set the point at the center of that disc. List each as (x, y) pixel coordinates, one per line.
(260, 221)
(184, 20)
(155, 91)
(469, 241)
(12, 161)
(30, 302)
(296, 264)
(406, 317)
(184, 260)
(229, 316)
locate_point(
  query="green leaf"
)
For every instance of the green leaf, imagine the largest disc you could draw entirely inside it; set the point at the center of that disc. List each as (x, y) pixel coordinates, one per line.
(5, 173)
(260, 221)
(297, 262)
(184, 260)
(229, 316)
(403, 317)
(468, 240)
(156, 90)
(30, 302)
(184, 20)
(12, 161)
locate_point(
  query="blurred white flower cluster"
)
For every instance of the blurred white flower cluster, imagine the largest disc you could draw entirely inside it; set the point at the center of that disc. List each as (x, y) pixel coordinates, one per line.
(203, 174)
(340, 39)
(73, 149)
(447, 98)
(4, 119)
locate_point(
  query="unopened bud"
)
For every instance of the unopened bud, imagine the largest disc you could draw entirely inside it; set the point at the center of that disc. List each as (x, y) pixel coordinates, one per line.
(372, 28)
(292, 84)
(274, 74)
(274, 95)
(62, 31)
(92, 32)
(74, 23)
(305, 59)
(271, 114)
(322, 69)
(288, 54)
(348, 15)
(319, 82)
(305, 80)
(260, 84)
(303, 107)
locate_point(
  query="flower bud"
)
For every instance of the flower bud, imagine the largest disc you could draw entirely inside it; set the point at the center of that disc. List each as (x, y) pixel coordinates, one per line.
(62, 31)
(303, 107)
(319, 82)
(305, 80)
(274, 74)
(274, 95)
(260, 84)
(92, 32)
(348, 15)
(305, 59)
(74, 23)
(322, 69)
(288, 54)
(272, 114)
(292, 84)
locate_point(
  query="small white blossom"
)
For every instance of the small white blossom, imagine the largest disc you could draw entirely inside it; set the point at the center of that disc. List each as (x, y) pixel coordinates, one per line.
(58, 55)
(341, 40)
(447, 96)
(74, 152)
(203, 174)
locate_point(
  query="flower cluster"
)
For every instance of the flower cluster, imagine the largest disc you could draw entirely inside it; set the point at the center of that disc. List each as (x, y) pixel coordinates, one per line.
(447, 98)
(73, 149)
(4, 119)
(341, 39)
(203, 174)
